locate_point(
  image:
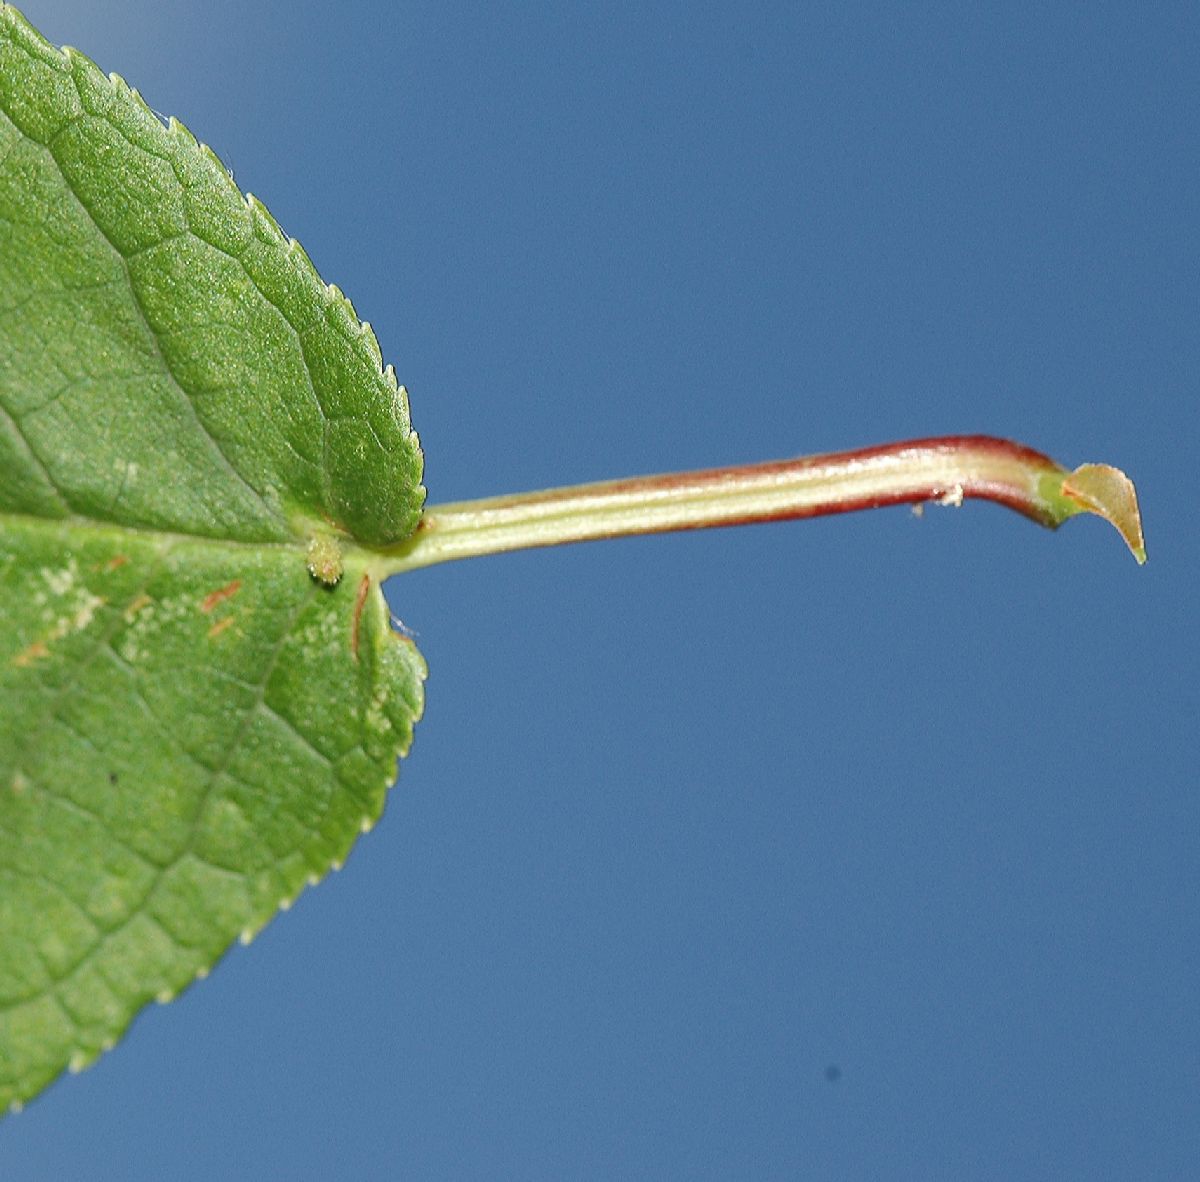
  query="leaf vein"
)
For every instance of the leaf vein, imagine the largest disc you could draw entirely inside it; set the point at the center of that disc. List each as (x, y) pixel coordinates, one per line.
(222, 457)
(186, 849)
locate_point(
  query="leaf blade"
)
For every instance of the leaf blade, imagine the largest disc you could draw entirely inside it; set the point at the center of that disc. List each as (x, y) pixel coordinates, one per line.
(204, 327)
(192, 728)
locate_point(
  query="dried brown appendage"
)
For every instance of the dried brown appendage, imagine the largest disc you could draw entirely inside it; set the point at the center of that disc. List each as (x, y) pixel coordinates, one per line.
(1109, 493)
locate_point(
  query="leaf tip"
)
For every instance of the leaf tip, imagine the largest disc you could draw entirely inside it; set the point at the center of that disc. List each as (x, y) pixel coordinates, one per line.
(1109, 493)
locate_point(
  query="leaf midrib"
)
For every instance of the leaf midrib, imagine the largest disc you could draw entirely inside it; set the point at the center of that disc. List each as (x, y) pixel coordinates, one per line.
(165, 539)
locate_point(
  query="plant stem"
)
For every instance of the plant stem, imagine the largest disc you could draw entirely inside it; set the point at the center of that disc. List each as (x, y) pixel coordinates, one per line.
(947, 469)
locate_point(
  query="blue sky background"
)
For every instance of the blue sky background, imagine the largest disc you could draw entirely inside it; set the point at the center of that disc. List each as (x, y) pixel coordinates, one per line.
(694, 823)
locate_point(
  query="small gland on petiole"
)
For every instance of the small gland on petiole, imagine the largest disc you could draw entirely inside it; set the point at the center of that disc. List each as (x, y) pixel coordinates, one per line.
(325, 559)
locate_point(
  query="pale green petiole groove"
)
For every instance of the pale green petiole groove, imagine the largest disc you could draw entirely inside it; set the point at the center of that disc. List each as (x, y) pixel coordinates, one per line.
(946, 469)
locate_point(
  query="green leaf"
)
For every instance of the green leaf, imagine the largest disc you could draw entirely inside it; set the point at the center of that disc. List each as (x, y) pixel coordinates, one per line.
(192, 725)
(205, 472)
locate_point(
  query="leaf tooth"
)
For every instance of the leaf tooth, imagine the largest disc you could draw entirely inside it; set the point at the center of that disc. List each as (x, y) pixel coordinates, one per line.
(165, 120)
(226, 173)
(164, 996)
(115, 80)
(296, 247)
(372, 342)
(263, 215)
(402, 398)
(179, 131)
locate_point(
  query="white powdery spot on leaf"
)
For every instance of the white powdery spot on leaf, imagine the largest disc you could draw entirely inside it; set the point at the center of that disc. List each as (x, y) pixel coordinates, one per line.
(63, 581)
(322, 631)
(147, 618)
(66, 603)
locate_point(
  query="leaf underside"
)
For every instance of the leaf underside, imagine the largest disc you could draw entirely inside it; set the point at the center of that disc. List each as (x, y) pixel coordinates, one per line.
(191, 727)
